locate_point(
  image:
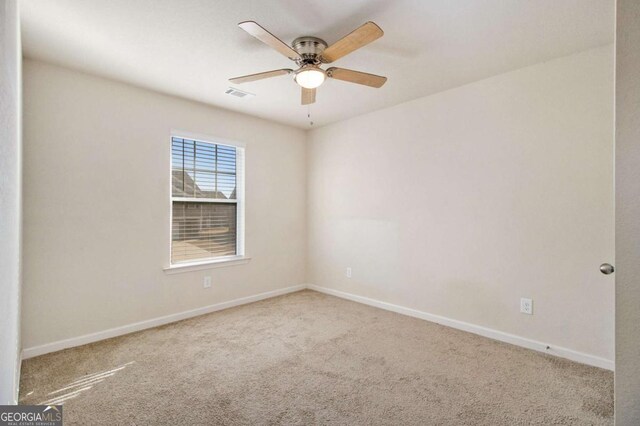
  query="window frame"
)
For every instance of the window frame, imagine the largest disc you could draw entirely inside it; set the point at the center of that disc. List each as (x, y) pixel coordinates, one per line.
(218, 261)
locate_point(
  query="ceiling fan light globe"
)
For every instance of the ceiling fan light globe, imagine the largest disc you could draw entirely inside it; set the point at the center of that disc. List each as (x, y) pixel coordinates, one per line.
(310, 78)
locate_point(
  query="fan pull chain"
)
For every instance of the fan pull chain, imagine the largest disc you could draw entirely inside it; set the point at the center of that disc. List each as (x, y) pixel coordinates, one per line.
(309, 115)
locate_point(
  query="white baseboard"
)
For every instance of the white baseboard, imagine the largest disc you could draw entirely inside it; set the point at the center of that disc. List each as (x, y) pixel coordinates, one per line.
(475, 329)
(460, 325)
(142, 325)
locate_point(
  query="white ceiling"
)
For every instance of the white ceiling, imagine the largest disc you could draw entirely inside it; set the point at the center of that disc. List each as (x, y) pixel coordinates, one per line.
(190, 48)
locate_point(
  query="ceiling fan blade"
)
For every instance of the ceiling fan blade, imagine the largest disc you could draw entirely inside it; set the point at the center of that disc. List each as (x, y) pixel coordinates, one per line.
(267, 38)
(361, 36)
(260, 76)
(308, 96)
(358, 77)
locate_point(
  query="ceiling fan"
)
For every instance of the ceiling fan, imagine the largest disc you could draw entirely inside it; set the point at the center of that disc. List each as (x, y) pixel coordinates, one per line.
(310, 52)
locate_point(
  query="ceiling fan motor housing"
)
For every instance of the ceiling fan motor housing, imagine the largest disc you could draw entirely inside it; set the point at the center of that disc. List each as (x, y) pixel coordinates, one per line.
(310, 49)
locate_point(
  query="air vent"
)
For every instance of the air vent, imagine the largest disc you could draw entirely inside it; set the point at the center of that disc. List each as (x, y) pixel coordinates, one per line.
(238, 93)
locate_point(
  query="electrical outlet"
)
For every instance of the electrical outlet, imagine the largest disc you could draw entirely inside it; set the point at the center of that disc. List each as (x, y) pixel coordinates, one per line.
(207, 282)
(526, 306)
(348, 273)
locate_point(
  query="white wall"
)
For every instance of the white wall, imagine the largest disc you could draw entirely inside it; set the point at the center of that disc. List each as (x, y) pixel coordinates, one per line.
(460, 203)
(10, 199)
(96, 203)
(627, 213)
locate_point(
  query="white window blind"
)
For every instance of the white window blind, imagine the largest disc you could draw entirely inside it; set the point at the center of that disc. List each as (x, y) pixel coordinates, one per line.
(205, 200)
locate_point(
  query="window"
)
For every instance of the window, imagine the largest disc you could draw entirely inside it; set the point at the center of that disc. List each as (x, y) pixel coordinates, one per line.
(206, 197)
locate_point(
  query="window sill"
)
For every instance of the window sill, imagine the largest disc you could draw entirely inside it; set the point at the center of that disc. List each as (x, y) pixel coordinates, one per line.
(209, 264)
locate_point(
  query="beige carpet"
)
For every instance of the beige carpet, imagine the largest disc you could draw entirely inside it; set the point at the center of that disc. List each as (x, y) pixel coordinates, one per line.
(307, 358)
